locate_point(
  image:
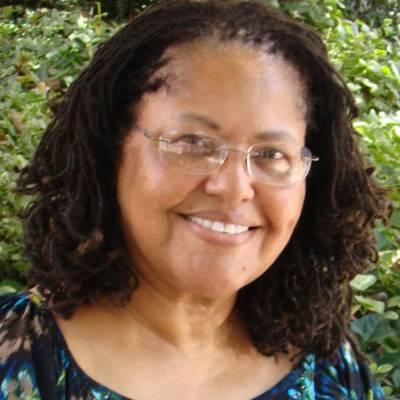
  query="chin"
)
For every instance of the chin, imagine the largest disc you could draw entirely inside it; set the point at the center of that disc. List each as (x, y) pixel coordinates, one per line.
(217, 289)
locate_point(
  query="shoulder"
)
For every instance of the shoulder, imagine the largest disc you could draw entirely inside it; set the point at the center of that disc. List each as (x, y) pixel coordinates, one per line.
(347, 377)
(25, 344)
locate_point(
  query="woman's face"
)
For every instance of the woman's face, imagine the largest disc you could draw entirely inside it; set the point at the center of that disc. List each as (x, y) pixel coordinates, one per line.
(238, 95)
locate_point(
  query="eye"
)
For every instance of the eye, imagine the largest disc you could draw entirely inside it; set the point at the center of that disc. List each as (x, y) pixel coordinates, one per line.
(272, 154)
(194, 139)
(195, 144)
(271, 159)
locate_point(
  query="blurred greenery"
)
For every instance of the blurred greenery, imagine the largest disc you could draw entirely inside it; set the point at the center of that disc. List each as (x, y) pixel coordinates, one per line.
(43, 48)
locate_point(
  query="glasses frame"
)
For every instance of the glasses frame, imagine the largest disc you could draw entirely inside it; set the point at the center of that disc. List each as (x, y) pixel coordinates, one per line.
(308, 157)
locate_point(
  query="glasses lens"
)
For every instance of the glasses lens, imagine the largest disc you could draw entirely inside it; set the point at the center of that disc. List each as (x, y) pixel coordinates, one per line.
(199, 154)
(279, 164)
(192, 153)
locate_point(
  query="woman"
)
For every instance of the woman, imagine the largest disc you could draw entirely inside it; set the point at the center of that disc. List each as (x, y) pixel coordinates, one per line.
(178, 250)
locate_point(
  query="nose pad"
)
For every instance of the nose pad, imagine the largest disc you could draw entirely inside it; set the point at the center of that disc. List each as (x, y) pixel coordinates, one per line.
(232, 179)
(242, 157)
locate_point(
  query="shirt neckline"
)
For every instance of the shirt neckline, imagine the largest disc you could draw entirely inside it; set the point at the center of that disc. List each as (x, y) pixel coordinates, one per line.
(288, 381)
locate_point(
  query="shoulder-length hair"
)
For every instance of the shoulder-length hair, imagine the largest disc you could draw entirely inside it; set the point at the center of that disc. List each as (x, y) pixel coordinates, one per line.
(74, 241)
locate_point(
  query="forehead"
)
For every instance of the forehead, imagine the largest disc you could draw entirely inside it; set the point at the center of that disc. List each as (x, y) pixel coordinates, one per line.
(204, 65)
(232, 84)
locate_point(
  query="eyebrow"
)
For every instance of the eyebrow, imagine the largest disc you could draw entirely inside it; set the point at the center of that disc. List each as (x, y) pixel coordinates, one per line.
(274, 134)
(264, 135)
(202, 119)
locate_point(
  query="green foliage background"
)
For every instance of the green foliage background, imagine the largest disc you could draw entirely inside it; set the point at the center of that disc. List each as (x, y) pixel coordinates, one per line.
(43, 49)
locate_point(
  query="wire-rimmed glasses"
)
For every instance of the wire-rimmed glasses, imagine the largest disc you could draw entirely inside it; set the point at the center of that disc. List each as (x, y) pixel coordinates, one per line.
(273, 162)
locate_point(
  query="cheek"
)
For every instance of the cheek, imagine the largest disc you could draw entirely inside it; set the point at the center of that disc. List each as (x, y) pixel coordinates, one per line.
(283, 207)
(141, 178)
(146, 194)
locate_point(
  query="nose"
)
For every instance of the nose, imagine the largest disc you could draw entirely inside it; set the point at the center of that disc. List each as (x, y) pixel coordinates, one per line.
(232, 180)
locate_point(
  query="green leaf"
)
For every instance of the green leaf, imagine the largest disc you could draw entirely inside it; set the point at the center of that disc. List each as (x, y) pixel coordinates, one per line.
(393, 358)
(396, 377)
(394, 302)
(372, 327)
(10, 286)
(371, 304)
(391, 315)
(384, 368)
(362, 282)
(7, 289)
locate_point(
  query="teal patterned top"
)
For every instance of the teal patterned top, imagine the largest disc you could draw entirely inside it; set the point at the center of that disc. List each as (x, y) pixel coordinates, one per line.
(35, 363)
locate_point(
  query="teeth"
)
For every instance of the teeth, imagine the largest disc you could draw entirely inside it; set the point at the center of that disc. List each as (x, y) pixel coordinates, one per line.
(205, 222)
(218, 226)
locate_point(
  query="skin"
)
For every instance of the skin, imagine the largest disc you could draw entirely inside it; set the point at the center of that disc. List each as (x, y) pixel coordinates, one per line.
(164, 250)
(181, 320)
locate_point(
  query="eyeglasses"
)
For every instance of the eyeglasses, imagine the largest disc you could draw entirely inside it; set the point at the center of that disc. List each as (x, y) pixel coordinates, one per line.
(195, 153)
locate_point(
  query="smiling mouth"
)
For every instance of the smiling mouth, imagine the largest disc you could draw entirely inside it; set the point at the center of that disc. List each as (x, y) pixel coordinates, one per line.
(218, 226)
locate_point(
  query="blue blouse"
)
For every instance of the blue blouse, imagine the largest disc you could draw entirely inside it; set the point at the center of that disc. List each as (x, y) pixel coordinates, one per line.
(35, 363)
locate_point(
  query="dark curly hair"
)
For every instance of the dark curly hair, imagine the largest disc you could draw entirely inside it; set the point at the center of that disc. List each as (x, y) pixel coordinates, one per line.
(74, 241)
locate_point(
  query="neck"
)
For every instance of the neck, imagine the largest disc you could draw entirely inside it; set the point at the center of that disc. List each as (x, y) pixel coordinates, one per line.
(186, 322)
